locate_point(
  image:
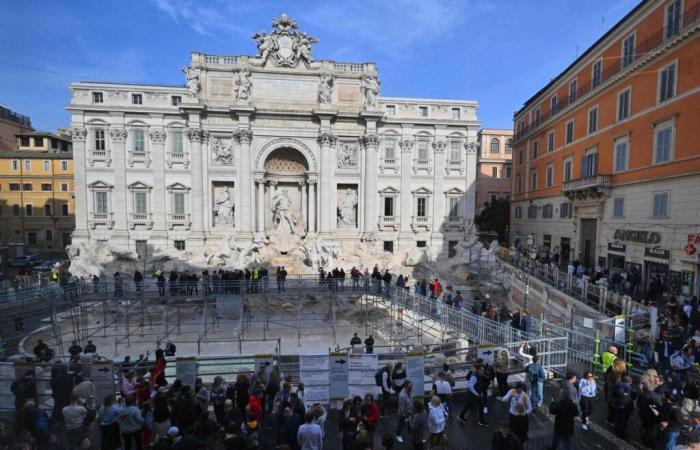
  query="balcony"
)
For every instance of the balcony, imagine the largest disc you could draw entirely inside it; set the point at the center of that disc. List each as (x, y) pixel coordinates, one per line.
(453, 223)
(177, 158)
(389, 222)
(419, 223)
(179, 220)
(104, 156)
(139, 157)
(389, 165)
(593, 187)
(454, 166)
(141, 219)
(101, 219)
(421, 165)
(643, 52)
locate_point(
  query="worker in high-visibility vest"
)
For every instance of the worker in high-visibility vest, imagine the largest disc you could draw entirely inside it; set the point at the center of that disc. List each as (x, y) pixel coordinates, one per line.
(608, 357)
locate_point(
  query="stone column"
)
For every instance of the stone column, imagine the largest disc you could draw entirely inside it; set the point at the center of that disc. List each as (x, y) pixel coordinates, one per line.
(370, 142)
(472, 149)
(304, 204)
(80, 183)
(406, 198)
(244, 137)
(327, 142)
(260, 206)
(120, 207)
(439, 247)
(312, 205)
(267, 207)
(196, 137)
(159, 200)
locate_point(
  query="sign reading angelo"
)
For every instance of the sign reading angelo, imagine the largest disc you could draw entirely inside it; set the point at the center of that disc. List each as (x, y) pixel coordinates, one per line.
(643, 237)
(285, 46)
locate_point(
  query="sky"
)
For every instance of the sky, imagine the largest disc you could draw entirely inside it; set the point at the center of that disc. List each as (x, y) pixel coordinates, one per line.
(497, 52)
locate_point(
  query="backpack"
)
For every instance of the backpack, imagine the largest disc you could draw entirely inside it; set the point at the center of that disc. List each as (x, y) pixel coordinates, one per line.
(378, 376)
(533, 373)
(41, 424)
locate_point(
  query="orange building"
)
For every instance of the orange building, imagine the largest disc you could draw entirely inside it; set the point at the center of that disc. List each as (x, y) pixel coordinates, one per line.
(607, 155)
(494, 173)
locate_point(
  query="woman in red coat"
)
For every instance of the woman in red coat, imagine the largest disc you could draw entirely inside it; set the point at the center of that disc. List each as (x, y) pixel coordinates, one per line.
(370, 413)
(255, 406)
(158, 371)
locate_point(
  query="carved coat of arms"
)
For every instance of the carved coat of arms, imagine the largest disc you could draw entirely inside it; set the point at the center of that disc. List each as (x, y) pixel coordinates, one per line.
(285, 46)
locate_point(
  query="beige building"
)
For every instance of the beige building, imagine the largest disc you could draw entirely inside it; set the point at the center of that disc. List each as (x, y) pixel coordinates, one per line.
(494, 171)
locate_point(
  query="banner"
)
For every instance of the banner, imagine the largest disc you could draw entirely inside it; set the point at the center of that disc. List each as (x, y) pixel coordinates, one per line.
(361, 372)
(103, 380)
(186, 370)
(314, 373)
(415, 373)
(339, 376)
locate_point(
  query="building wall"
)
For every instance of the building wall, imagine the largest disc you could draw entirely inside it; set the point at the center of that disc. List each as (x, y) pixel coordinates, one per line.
(10, 126)
(486, 185)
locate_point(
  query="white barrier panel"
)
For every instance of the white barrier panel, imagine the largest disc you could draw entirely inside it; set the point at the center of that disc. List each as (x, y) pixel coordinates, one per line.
(314, 373)
(103, 379)
(339, 376)
(361, 374)
(415, 372)
(186, 370)
(7, 375)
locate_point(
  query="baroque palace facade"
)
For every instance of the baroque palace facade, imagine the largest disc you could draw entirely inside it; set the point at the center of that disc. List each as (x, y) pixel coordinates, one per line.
(275, 144)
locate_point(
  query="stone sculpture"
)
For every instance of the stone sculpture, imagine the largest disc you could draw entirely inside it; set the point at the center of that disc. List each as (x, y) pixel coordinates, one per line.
(283, 214)
(192, 79)
(286, 46)
(320, 253)
(370, 92)
(243, 86)
(224, 208)
(222, 152)
(325, 88)
(347, 156)
(346, 209)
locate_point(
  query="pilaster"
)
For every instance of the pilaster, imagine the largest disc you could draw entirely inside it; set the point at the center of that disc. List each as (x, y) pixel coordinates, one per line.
(159, 200)
(327, 142)
(405, 206)
(79, 136)
(120, 207)
(244, 208)
(196, 137)
(472, 149)
(371, 142)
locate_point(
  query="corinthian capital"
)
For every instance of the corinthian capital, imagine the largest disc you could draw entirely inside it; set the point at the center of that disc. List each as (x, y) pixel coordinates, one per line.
(472, 147)
(243, 136)
(118, 134)
(327, 139)
(439, 146)
(370, 140)
(406, 146)
(78, 134)
(196, 134)
(157, 136)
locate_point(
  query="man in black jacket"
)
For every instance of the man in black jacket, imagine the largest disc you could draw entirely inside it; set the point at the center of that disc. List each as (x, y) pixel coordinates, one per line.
(564, 411)
(671, 421)
(504, 439)
(623, 402)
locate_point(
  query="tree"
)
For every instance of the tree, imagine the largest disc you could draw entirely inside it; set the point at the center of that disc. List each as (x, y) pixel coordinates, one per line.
(495, 217)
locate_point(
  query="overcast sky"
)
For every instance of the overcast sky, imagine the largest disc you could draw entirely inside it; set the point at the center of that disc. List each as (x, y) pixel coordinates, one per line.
(497, 52)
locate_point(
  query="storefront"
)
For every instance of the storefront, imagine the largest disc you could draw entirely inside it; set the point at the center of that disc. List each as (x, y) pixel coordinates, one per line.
(616, 257)
(656, 266)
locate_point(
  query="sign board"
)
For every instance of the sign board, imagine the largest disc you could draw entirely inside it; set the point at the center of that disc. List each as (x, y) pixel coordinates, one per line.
(642, 237)
(186, 370)
(619, 333)
(487, 353)
(103, 379)
(314, 373)
(415, 373)
(361, 372)
(265, 360)
(654, 252)
(339, 376)
(615, 247)
(7, 376)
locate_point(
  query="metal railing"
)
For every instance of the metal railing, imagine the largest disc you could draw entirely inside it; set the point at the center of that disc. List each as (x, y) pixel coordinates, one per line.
(587, 182)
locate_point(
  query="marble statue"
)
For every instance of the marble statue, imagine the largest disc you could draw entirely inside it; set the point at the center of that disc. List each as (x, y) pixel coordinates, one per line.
(325, 88)
(370, 92)
(346, 209)
(192, 79)
(243, 85)
(222, 152)
(283, 214)
(320, 253)
(347, 156)
(228, 254)
(266, 44)
(224, 207)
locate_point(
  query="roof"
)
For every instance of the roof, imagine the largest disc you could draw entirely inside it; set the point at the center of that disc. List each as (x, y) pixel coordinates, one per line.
(132, 84)
(583, 55)
(29, 154)
(45, 134)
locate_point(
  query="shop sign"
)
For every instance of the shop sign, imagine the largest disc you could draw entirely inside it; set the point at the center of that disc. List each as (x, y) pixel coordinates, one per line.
(643, 237)
(694, 239)
(615, 247)
(661, 253)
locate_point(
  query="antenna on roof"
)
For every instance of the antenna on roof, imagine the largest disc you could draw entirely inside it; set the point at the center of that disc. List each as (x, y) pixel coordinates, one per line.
(576, 56)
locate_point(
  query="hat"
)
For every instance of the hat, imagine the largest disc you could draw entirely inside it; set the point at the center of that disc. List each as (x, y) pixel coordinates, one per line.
(173, 431)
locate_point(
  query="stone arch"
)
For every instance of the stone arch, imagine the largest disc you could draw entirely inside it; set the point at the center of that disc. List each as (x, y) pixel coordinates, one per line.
(275, 144)
(286, 160)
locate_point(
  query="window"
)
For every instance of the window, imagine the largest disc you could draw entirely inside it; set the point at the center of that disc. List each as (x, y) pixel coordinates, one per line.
(179, 203)
(455, 151)
(455, 113)
(533, 180)
(27, 187)
(175, 100)
(509, 145)
(660, 204)
(589, 164)
(593, 120)
(38, 142)
(139, 137)
(423, 111)
(596, 76)
(15, 164)
(54, 143)
(29, 210)
(179, 245)
(494, 197)
(421, 244)
(47, 166)
(14, 186)
(549, 179)
(673, 19)
(667, 82)
(421, 206)
(535, 149)
(519, 184)
(64, 166)
(565, 210)
(508, 172)
(15, 210)
(389, 206)
(390, 110)
(178, 146)
(623, 104)
(140, 203)
(568, 168)
(553, 105)
(64, 187)
(618, 207)
(663, 142)
(136, 99)
(27, 165)
(572, 91)
(390, 150)
(628, 51)
(550, 141)
(422, 150)
(65, 239)
(570, 132)
(494, 172)
(101, 202)
(532, 212)
(621, 154)
(518, 212)
(64, 209)
(46, 187)
(99, 139)
(547, 211)
(97, 97)
(495, 146)
(537, 117)
(24, 141)
(453, 206)
(389, 246)
(47, 210)
(520, 156)
(31, 237)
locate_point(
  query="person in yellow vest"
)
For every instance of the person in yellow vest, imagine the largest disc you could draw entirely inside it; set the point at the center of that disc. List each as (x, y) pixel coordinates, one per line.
(608, 357)
(255, 276)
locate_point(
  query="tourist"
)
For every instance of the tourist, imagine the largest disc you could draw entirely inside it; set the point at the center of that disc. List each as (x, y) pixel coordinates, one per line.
(130, 423)
(347, 424)
(90, 348)
(24, 389)
(73, 418)
(587, 391)
(536, 376)
(75, 349)
(504, 439)
(85, 390)
(369, 344)
(477, 386)
(251, 435)
(649, 404)
(569, 384)
(202, 396)
(623, 403)
(398, 377)
(405, 408)
(158, 371)
(355, 341)
(443, 390)
(184, 413)
(564, 411)
(383, 379)
(437, 419)
(61, 389)
(310, 435)
(128, 384)
(418, 425)
(109, 427)
(138, 282)
(42, 351)
(161, 414)
(289, 429)
(502, 368)
(218, 396)
(519, 410)
(370, 413)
